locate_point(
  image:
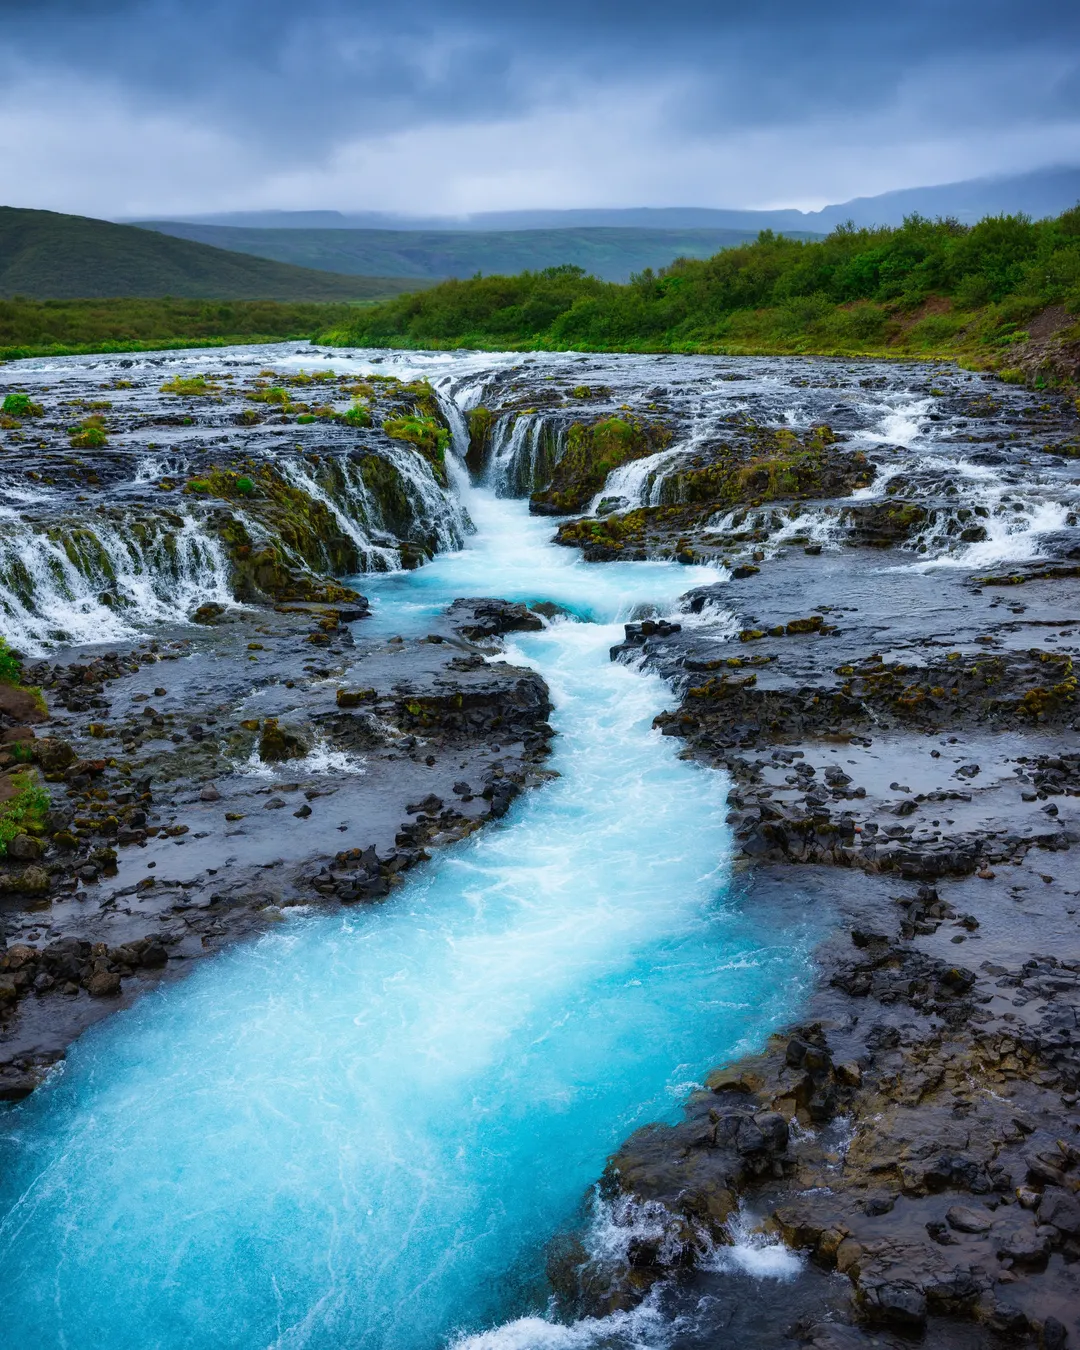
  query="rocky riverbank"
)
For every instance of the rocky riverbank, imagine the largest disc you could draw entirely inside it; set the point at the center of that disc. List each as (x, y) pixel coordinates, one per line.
(917, 1133)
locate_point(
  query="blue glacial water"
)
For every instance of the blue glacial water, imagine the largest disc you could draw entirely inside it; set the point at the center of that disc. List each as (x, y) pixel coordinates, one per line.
(360, 1131)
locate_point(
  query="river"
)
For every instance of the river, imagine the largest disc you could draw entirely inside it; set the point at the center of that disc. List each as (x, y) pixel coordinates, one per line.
(364, 1131)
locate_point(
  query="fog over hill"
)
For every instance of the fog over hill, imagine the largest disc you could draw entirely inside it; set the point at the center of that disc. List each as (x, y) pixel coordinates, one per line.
(1044, 192)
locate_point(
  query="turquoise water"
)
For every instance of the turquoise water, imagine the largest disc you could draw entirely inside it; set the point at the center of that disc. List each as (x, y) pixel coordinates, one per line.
(361, 1130)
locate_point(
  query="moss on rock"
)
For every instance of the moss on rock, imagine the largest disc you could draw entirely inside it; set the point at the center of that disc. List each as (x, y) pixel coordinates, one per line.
(592, 452)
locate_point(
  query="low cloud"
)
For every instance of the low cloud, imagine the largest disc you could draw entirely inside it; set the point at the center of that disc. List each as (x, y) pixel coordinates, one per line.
(461, 107)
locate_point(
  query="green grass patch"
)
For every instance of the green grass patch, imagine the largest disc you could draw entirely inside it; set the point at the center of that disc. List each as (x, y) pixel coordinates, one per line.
(31, 328)
(190, 386)
(24, 812)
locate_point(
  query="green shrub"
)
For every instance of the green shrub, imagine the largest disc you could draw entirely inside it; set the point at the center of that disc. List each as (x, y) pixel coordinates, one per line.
(21, 405)
(358, 416)
(89, 435)
(245, 487)
(190, 386)
(10, 666)
(854, 290)
(25, 811)
(273, 395)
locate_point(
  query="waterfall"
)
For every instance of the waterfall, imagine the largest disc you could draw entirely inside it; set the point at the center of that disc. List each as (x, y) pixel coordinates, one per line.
(525, 447)
(101, 579)
(354, 523)
(72, 574)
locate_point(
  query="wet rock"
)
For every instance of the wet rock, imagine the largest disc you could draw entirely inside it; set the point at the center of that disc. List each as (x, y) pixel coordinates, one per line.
(481, 620)
(22, 705)
(103, 984)
(277, 743)
(24, 848)
(967, 1220)
(1054, 1335)
(1060, 1209)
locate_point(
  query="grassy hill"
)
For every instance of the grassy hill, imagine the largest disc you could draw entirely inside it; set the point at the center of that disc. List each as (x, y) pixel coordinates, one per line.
(926, 288)
(613, 253)
(45, 255)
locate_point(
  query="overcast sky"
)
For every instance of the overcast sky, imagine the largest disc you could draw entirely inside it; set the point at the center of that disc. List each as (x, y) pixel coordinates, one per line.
(151, 107)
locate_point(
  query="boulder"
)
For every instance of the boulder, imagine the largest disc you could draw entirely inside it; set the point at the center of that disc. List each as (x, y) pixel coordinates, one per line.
(22, 705)
(1060, 1209)
(277, 743)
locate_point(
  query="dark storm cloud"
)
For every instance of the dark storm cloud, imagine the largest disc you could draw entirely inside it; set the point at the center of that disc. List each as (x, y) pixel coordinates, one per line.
(260, 88)
(294, 67)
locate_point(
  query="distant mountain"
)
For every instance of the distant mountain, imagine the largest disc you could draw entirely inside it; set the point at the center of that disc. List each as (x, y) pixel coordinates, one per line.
(47, 256)
(1046, 192)
(611, 253)
(1043, 192)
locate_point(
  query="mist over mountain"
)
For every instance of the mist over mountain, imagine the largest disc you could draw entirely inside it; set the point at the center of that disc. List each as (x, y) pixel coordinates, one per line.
(610, 252)
(1043, 192)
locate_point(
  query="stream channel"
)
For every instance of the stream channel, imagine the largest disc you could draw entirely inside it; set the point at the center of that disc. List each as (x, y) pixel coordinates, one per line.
(364, 1131)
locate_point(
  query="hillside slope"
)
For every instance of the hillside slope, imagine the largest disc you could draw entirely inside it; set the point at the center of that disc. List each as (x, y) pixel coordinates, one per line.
(612, 253)
(45, 255)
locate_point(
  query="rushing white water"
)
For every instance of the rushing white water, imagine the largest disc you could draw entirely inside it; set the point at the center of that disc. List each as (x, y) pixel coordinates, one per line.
(361, 1131)
(519, 462)
(355, 522)
(101, 582)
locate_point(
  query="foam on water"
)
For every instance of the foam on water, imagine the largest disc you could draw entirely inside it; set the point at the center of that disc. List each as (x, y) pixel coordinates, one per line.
(321, 759)
(101, 583)
(361, 1131)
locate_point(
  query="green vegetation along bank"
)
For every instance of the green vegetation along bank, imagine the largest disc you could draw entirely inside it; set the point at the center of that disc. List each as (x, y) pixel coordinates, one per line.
(925, 289)
(71, 327)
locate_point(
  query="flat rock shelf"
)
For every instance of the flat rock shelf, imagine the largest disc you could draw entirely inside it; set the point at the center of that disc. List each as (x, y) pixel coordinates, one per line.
(626, 806)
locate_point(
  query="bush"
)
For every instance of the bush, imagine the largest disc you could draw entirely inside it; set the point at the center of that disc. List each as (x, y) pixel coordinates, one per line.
(191, 386)
(20, 405)
(26, 810)
(358, 416)
(10, 666)
(778, 293)
(89, 435)
(275, 395)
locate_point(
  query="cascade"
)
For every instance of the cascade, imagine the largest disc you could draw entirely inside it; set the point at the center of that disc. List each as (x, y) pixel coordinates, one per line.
(101, 579)
(524, 449)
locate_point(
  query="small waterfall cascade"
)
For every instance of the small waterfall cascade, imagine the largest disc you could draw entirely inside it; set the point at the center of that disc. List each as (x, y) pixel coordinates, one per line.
(641, 481)
(525, 447)
(106, 576)
(106, 570)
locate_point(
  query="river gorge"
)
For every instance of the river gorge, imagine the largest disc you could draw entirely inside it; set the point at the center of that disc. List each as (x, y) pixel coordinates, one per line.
(546, 850)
